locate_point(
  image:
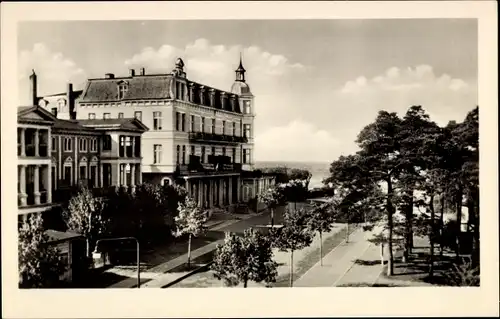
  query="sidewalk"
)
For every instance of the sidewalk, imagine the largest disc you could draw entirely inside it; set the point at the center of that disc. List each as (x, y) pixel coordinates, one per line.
(154, 277)
(335, 263)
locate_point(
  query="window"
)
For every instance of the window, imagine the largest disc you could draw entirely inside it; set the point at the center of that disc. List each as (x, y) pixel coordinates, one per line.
(234, 155)
(223, 127)
(178, 154)
(202, 157)
(122, 89)
(213, 127)
(106, 143)
(106, 116)
(192, 123)
(157, 121)
(202, 125)
(120, 115)
(234, 128)
(128, 146)
(246, 133)
(122, 146)
(157, 154)
(54, 111)
(213, 150)
(183, 122)
(67, 144)
(54, 141)
(83, 144)
(247, 107)
(137, 150)
(246, 156)
(83, 172)
(193, 151)
(67, 177)
(223, 151)
(93, 145)
(91, 116)
(177, 121)
(183, 154)
(138, 115)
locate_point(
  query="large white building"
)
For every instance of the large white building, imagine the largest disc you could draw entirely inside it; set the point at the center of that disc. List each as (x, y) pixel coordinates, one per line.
(199, 137)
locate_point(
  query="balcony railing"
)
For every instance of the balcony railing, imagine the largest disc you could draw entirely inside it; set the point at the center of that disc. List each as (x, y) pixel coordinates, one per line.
(200, 136)
(215, 164)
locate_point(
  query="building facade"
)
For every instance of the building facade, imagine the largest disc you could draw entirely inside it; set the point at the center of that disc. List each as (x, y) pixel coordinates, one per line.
(200, 137)
(54, 155)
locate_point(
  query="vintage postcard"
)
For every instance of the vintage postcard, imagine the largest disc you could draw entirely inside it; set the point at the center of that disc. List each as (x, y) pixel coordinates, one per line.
(249, 158)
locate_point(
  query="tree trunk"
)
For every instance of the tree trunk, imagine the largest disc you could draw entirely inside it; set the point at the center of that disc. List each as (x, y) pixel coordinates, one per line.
(382, 254)
(459, 223)
(390, 212)
(189, 252)
(347, 232)
(272, 217)
(320, 248)
(245, 283)
(441, 226)
(88, 247)
(291, 268)
(431, 237)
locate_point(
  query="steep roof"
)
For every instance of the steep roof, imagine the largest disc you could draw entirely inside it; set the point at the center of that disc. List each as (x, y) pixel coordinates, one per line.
(144, 87)
(139, 87)
(129, 124)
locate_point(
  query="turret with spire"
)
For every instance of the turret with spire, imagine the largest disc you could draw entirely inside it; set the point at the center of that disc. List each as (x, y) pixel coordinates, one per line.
(240, 86)
(240, 71)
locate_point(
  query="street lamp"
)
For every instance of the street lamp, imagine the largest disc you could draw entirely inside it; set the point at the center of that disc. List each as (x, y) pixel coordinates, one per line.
(96, 254)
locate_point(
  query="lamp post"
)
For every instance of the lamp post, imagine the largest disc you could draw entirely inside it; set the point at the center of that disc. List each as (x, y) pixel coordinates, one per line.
(123, 238)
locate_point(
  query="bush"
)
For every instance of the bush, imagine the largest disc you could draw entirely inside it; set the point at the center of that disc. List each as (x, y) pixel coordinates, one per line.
(462, 275)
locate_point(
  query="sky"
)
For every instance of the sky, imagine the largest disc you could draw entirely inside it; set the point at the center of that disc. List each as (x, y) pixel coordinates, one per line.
(316, 83)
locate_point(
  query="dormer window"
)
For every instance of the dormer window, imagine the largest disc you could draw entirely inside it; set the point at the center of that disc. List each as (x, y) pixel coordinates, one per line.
(122, 90)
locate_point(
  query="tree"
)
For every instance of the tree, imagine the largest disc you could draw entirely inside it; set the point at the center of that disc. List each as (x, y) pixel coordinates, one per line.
(272, 198)
(243, 259)
(300, 174)
(40, 264)
(321, 220)
(294, 235)
(190, 220)
(295, 191)
(84, 215)
(380, 158)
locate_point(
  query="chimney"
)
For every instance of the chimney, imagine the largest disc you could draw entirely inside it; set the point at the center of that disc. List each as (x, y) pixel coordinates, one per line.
(143, 71)
(33, 89)
(131, 72)
(109, 76)
(70, 101)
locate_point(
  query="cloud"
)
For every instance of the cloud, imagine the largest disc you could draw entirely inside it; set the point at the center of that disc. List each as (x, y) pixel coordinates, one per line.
(214, 64)
(272, 77)
(444, 97)
(53, 69)
(297, 141)
(394, 79)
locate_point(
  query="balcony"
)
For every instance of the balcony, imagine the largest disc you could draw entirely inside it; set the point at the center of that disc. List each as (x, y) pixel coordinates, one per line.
(216, 164)
(217, 138)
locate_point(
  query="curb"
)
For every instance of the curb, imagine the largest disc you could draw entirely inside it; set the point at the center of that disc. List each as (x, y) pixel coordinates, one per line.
(189, 274)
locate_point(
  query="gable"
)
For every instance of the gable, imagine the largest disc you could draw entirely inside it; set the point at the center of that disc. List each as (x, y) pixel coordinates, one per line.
(35, 114)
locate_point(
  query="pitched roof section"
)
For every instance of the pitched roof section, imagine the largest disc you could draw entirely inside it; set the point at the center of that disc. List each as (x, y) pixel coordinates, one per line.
(144, 87)
(71, 125)
(35, 114)
(128, 124)
(139, 87)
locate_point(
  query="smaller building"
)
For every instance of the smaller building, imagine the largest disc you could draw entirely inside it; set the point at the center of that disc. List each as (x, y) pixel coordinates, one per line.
(71, 248)
(54, 155)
